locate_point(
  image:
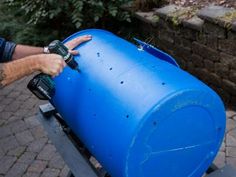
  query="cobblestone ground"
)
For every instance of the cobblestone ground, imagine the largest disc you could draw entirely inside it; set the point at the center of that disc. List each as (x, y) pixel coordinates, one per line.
(25, 150)
(227, 153)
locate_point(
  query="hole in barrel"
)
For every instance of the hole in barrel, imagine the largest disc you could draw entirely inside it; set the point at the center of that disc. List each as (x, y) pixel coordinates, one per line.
(154, 123)
(127, 116)
(110, 156)
(121, 82)
(163, 83)
(110, 68)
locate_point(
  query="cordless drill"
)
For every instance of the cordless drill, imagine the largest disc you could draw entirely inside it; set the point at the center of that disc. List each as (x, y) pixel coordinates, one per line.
(42, 85)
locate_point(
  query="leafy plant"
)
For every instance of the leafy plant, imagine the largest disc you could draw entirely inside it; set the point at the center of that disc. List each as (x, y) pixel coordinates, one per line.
(35, 19)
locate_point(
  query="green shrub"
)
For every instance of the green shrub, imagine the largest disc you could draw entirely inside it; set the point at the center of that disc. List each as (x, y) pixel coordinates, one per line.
(39, 21)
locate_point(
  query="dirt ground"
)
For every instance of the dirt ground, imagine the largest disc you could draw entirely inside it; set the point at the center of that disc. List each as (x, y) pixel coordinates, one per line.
(202, 3)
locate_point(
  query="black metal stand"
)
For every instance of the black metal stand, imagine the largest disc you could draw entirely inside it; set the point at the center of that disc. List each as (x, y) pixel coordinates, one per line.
(77, 156)
(72, 150)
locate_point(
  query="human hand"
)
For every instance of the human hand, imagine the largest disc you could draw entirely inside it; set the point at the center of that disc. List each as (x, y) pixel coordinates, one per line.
(51, 64)
(75, 42)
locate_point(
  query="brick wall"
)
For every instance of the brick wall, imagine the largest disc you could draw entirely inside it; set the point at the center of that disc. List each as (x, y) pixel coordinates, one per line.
(202, 41)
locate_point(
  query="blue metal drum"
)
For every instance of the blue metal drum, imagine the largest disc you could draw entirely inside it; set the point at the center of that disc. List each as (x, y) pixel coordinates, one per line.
(137, 112)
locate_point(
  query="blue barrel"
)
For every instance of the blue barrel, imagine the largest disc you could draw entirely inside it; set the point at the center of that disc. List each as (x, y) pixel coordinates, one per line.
(137, 112)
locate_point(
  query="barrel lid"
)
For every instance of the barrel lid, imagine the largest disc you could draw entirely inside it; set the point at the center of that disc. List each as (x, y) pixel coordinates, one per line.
(179, 137)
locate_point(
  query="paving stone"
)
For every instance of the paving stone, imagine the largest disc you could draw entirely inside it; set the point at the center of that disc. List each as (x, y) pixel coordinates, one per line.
(8, 143)
(30, 174)
(50, 172)
(65, 171)
(37, 145)
(5, 91)
(14, 94)
(17, 126)
(27, 157)
(17, 170)
(220, 160)
(5, 163)
(32, 121)
(147, 17)
(21, 113)
(2, 122)
(56, 162)
(2, 106)
(230, 124)
(231, 161)
(167, 10)
(29, 104)
(38, 132)
(222, 148)
(5, 115)
(13, 118)
(47, 152)
(24, 137)
(231, 138)
(5, 131)
(231, 152)
(7, 101)
(37, 166)
(194, 23)
(211, 13)
(17, 151)
(1, 153)
(23, 97)
(230, 113)
(13, 106)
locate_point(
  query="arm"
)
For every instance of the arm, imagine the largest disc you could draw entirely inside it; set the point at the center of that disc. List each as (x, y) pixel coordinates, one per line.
(27, 60)
(51, 64)
(22, 51)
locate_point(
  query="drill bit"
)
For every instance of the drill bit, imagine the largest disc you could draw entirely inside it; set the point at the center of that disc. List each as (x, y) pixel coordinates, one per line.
(77, 69)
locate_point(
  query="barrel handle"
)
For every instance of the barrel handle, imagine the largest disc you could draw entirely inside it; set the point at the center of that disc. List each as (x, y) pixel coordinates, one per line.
(156, 52)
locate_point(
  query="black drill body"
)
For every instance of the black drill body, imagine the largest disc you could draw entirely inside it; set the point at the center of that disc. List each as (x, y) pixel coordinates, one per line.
(42, 85)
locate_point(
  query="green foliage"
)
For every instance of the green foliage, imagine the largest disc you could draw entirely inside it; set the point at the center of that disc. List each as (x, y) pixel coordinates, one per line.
(39, 21)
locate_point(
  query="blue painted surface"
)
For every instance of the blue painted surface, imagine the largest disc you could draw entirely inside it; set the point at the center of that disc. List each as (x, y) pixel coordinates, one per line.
(139, 115)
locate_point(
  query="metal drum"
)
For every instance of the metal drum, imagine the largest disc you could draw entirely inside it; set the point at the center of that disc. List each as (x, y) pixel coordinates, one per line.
(137, 112)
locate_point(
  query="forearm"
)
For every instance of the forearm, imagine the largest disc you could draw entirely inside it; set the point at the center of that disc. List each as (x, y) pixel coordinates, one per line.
(17, 69)
(22, 51)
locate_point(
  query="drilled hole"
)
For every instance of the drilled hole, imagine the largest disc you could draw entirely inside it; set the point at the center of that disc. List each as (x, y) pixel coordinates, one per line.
(110, 69)
(122, 82)
(110, 156)
(89, 90)
(98, 54)
(127, 116)
(94, 115)
(154, 123)
(163, 83)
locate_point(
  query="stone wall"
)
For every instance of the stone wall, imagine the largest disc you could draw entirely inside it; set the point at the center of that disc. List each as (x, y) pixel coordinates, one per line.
(202, 41)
